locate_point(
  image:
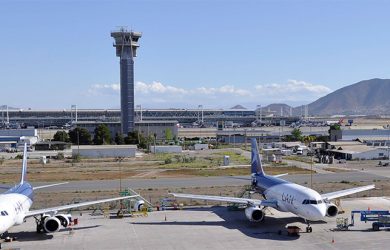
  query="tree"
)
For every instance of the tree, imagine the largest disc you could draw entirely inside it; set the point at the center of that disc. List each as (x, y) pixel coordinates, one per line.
(80, 136)
(102, 135)
(119, 139)
(296, 134)
(334, 132)
(144, 141)
(168, 134)
(131, 138)
(61, 136)
(309, 138)
(334, 127)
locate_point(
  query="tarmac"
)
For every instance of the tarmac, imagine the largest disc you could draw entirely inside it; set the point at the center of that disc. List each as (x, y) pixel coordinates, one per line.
(206, 228)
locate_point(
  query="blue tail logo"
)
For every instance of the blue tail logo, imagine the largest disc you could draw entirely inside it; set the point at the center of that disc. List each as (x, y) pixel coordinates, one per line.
(256, 167)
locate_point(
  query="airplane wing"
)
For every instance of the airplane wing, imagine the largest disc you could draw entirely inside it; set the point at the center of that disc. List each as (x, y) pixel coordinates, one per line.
(50, 185)
(54, 210)
(337, 194)
(280, 175)
(253, 202)
(5, 187)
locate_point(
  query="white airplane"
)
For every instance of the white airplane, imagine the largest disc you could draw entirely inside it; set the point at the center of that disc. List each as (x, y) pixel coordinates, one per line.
(282, 195)
(16, 202)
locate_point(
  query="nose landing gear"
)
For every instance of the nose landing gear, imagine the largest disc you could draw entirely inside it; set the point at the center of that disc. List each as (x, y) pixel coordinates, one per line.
(308, 228)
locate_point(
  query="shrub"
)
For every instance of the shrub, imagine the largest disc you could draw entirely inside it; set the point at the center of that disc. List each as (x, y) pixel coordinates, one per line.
(76, 158)
(19, 157)
(60, 156)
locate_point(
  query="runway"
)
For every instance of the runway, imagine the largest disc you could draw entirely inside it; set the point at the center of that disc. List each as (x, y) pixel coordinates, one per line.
(207, 181)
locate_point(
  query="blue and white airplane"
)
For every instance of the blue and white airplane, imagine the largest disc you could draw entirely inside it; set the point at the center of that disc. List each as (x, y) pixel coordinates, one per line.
(16, 202)
(282, 195)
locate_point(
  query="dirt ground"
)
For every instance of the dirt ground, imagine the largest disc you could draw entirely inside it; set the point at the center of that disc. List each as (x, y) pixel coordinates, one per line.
(203, 163)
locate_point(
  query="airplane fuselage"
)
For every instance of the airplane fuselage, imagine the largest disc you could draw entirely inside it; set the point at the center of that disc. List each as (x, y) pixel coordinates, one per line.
(14, 204)
(291, 197)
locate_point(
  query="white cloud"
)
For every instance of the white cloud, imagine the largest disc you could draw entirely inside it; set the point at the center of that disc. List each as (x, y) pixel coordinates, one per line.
(226, 89)
(103, 89)
(157, 87)
(294, 86)
(156, 94)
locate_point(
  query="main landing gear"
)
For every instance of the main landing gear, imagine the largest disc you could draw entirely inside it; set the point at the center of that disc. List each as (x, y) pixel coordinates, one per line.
(39, 220)
(308, 228)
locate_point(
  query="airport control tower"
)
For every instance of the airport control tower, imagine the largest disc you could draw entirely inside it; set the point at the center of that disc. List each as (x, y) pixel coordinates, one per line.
(126, 44)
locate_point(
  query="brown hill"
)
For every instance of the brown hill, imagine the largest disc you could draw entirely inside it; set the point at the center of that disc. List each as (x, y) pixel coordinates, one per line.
(369, 97)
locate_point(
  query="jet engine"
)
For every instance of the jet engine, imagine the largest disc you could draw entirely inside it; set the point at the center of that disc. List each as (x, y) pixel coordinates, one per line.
(65, 219)
(254, 214)
(332, 210)
(51, 224)
(139, 205)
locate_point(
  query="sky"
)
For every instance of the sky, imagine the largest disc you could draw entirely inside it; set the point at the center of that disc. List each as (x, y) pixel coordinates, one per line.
(214, 53)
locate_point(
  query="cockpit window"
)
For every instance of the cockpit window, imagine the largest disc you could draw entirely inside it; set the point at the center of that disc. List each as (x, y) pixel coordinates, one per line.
(4, 213)
(312, 202)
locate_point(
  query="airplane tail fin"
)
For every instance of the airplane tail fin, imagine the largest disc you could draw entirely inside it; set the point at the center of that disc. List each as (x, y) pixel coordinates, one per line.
(24, 165)
(256, 166)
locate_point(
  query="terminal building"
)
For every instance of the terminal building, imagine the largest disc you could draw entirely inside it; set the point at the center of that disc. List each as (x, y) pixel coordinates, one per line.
(185, 117)
(146, 128)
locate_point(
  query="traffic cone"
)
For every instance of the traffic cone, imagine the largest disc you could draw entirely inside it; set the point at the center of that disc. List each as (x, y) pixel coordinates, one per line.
(369, 209)
(332, 240)
(165, 218)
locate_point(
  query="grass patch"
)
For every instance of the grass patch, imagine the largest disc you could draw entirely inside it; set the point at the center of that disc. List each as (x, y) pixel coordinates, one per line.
(235, 157)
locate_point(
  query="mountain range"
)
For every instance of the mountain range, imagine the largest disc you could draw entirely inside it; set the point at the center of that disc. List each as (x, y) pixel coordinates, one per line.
(368, 97)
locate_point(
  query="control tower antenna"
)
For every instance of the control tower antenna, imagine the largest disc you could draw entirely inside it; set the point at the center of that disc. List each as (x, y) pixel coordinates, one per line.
(126, 44)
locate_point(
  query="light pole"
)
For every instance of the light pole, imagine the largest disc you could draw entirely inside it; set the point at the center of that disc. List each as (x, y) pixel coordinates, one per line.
(388, 141)
(245, 137)
(311, 173)
(155, 137)
(200, 114)
(119, 159)
(259, 114)
(78, 142)
(140, 111)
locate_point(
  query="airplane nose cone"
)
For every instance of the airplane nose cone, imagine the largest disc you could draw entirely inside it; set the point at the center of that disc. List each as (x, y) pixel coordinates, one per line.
(322, 210)
(317, 213)
(2, 230)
